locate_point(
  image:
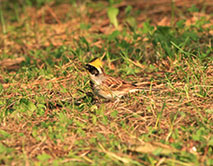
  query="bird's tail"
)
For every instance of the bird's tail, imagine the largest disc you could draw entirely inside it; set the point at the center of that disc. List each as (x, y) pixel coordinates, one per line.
(148, 86)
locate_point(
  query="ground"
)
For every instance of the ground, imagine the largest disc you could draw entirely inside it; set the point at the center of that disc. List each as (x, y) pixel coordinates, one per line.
(49, 113)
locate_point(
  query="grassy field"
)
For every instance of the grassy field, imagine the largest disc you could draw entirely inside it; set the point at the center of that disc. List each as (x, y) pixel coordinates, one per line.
(48, 112)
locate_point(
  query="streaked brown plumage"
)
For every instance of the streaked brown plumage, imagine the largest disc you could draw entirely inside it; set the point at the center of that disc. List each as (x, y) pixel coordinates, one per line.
(107, 86)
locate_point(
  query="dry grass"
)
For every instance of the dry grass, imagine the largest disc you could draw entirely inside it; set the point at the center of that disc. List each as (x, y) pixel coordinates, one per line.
(46, 116)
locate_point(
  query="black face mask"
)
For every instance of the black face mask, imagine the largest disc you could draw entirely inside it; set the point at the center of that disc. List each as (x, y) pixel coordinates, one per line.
(92, 69)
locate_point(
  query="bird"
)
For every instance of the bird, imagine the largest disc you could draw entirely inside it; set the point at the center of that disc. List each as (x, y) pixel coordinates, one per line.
(106, 86)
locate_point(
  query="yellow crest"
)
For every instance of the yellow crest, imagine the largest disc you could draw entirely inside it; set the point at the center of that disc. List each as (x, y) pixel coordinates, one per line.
(96, 63)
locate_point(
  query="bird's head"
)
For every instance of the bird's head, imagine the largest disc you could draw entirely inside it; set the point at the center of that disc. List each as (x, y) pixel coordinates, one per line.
(95, 67)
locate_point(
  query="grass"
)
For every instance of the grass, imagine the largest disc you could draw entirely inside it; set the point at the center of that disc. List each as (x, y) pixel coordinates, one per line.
(49, 114)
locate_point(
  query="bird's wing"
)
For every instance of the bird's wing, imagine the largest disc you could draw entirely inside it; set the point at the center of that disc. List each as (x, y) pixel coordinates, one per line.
(116, 84)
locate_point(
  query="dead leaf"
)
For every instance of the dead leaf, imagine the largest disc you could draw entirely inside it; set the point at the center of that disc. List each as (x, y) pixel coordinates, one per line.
(11, 63)
(147, 147)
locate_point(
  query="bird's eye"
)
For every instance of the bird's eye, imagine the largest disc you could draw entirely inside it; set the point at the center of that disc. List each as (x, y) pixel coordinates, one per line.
(92, 69)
